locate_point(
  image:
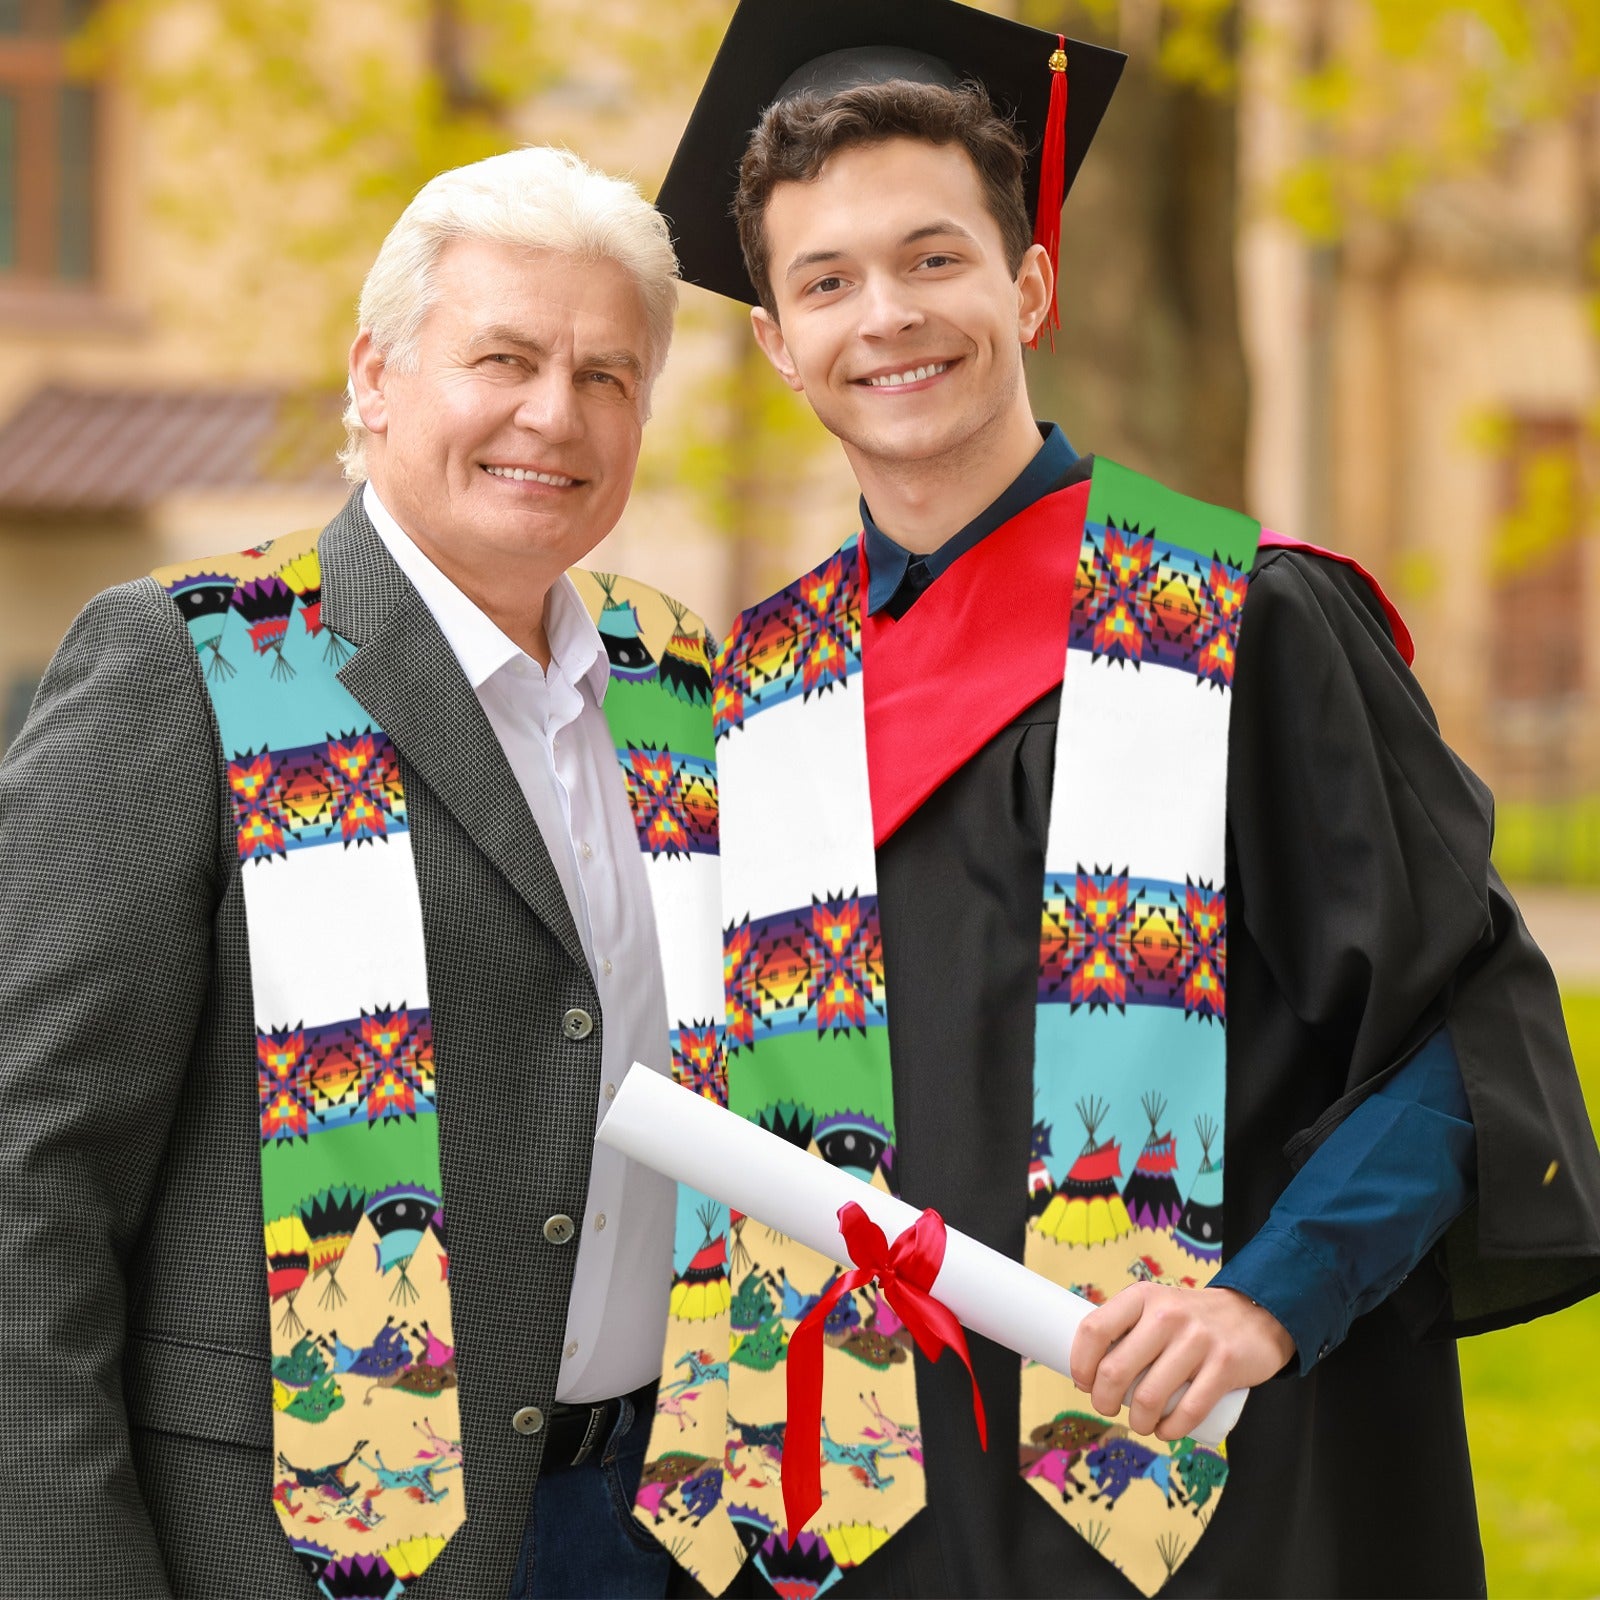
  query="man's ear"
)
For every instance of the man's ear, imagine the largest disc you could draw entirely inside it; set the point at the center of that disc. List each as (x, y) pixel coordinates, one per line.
(367, 372)
(1036, 282)
(774, 347)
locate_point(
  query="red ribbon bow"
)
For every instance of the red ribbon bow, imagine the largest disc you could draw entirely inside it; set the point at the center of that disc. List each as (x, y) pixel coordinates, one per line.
(905, 1272)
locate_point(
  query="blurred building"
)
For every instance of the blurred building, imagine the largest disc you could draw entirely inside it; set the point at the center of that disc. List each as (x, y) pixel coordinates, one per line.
(161, 398)
(1423, 394)
(1426, 396)
(121, 444)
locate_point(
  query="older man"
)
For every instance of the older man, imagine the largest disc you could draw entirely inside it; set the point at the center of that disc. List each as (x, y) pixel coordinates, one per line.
(330, 881)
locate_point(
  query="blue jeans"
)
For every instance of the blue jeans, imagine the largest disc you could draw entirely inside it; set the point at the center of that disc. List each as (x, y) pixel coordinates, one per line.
(581, 1541)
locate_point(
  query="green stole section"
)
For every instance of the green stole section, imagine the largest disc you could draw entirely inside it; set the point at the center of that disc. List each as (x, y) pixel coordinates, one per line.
(352, 1193)
(367, 1489)
(658, 707)
(1130, 1045)
(1137, 824)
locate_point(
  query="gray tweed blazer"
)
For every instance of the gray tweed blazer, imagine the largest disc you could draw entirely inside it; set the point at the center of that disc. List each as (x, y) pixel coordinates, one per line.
(135, 1457)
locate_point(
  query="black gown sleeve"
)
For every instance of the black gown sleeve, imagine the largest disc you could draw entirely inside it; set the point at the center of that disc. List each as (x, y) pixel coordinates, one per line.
(1364, 912)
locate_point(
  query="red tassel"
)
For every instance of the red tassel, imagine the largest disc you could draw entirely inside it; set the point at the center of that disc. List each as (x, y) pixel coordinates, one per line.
(1052, 183)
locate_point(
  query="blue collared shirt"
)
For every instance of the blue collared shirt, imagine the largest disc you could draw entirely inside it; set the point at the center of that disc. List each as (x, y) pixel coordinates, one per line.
(1367, 1206)
(899, 576)
(1379, 1192)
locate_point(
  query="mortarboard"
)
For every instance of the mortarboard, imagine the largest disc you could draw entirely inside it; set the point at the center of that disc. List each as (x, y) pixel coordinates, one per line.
(777, 48)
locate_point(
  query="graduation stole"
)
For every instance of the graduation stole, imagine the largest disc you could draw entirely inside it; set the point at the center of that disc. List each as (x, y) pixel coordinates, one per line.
(1139, 592)
(368, 1482)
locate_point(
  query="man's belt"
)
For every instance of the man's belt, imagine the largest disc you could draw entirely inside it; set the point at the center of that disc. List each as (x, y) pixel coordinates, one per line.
(577, 1432)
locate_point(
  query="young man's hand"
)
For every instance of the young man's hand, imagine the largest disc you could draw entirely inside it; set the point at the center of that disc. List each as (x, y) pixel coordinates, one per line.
(1212, 1339)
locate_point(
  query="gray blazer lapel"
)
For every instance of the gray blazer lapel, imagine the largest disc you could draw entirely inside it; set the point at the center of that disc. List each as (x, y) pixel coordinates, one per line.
(405, 673)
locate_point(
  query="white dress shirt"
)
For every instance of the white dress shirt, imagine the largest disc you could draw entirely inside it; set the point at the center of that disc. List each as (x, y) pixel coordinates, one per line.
(554, 734)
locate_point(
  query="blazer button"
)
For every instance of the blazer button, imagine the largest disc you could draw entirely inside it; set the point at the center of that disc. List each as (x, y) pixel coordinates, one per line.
(560, 1229)
(577, 1024)
(530, 1419)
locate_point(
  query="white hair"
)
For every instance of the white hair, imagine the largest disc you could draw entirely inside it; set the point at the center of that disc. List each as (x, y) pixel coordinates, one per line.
(537, 197)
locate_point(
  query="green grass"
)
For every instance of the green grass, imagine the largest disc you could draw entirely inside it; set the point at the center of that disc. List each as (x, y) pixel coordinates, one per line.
(1548, 841)
(1534, 1423)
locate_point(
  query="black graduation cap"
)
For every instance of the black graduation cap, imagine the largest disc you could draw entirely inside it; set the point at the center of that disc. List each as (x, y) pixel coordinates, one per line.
(777, 48)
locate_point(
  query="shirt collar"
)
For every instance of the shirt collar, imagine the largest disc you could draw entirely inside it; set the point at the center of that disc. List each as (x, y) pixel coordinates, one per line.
(888, 561)
(575, 642)
(476, 639)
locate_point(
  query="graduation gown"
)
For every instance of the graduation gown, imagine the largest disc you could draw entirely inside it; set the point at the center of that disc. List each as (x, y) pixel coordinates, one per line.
(1363, 914)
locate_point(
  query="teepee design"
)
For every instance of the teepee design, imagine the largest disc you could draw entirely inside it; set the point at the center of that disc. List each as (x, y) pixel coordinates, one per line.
(701, 1290)
(1151, 1194)
(619, 632)
(685, 667)
(1087, 1209)
(1199, 1229)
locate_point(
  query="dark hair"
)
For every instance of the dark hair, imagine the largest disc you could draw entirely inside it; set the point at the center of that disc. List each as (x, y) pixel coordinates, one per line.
(795, 138)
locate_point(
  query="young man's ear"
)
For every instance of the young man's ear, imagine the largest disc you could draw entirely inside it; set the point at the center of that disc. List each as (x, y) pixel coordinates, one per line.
(774, 347)
(1036, 283)
(366, 383)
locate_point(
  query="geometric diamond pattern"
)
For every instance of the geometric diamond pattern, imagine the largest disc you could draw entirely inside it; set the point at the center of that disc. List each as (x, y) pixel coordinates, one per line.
(374, 1067)
(347, 789)
(1139, 602)
(817, 969)
(805, 638)
(1111, 940)
(673, 798)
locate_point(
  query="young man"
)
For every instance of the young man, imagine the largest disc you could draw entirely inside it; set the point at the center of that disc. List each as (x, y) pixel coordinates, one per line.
(330, 890)
(1132, 965)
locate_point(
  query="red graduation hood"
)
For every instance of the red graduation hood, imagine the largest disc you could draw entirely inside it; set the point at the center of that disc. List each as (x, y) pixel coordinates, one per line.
(978, 647)
(1397, 623)
(981, 645)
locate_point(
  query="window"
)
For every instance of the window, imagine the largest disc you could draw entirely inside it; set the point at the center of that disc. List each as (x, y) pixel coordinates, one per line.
(47, 147)
(1547, 817)
(1537, 562)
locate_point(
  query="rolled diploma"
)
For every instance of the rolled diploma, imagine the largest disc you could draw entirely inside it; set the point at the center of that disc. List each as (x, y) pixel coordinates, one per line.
(675, 1131)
